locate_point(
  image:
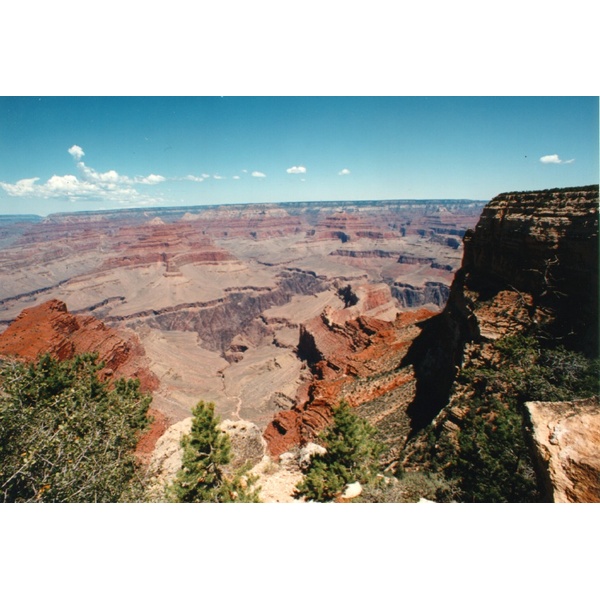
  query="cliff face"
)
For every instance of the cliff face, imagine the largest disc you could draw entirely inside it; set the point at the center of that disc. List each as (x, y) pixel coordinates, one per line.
(355, 359)
(530, 267)
(531, 264)
(544, 244)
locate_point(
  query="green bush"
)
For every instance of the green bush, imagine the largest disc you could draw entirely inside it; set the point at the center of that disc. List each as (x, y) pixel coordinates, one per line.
(65, 436)
(206, 451)
(408, 487)
(489, 456)
(352, 455)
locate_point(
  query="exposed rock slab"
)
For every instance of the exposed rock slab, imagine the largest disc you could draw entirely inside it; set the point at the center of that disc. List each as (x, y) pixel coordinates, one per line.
(566, 437)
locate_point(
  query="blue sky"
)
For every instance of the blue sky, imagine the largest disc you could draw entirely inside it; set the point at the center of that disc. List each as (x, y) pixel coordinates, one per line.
(88, 153)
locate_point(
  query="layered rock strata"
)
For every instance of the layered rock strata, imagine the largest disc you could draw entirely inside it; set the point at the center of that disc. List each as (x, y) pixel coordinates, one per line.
(355, 359)
(531, 264)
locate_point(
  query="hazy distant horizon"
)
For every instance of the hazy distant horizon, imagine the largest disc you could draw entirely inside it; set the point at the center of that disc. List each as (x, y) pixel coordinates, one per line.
(241, 204)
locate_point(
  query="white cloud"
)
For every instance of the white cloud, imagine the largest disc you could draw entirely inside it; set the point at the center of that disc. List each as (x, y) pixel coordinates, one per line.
(89, 184)
(236, 177)
(151, 179)
(218, 177)
(89, 174)
(205, 175)
(295, 170)
(555, 159)
(23, 187)
(344, 172)
(76, 152)
(258, 174)
(193, 178)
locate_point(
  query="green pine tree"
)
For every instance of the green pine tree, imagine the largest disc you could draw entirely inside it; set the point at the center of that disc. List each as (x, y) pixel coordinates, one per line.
(206, 451)
(352, 455)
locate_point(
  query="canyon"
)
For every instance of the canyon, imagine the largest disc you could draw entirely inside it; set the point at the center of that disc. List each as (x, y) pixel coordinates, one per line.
(218, 297)
(276, 313)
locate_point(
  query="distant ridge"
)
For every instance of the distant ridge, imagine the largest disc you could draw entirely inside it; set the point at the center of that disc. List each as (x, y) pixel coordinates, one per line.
(4, 219)
(263, 206)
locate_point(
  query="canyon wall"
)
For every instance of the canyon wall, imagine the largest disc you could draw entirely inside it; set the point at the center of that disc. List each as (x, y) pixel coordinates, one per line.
(217, 295)
(530, 267)
(530, 264)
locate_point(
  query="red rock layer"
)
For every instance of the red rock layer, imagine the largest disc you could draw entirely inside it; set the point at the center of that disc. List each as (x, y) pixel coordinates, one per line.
(146, 444)
(348, 227)
(339, 355)
(49, 328)
(174, 244)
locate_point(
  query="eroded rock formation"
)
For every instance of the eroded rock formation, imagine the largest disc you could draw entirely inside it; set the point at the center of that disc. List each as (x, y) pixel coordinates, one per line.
(530, 267)
(355, 359)
(50, 328)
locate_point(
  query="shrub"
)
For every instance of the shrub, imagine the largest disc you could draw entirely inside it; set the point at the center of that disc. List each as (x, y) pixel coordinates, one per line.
(352, 455)
(65, 436)
(408, 487)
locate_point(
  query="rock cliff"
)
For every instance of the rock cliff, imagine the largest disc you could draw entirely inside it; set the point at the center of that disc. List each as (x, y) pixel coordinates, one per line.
(531, 265)
(355, 358)
(544, 244)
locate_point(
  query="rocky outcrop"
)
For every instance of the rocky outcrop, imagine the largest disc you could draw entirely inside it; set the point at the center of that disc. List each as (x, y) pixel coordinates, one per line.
(355, 359)
(348, 227)
(566, 439)
(247, 444)
(410, 296)
(531, 264)
(247, 447)
(173, 245)
(544, 244)
(50, 328)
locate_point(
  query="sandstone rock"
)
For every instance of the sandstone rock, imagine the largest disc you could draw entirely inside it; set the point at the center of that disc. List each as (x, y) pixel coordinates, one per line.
(566, 438)
(167, 454)
(544, 244)
(532, 261)
(277, 481)
(307, 452)
(247, 443)
(148, 440)
(356, 359)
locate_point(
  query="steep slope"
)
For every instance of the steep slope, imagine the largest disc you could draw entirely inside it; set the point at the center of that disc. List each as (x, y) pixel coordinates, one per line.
(448, 392)
(352, 358)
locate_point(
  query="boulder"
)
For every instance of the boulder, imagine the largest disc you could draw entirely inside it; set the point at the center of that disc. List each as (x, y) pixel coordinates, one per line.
(352, 490)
